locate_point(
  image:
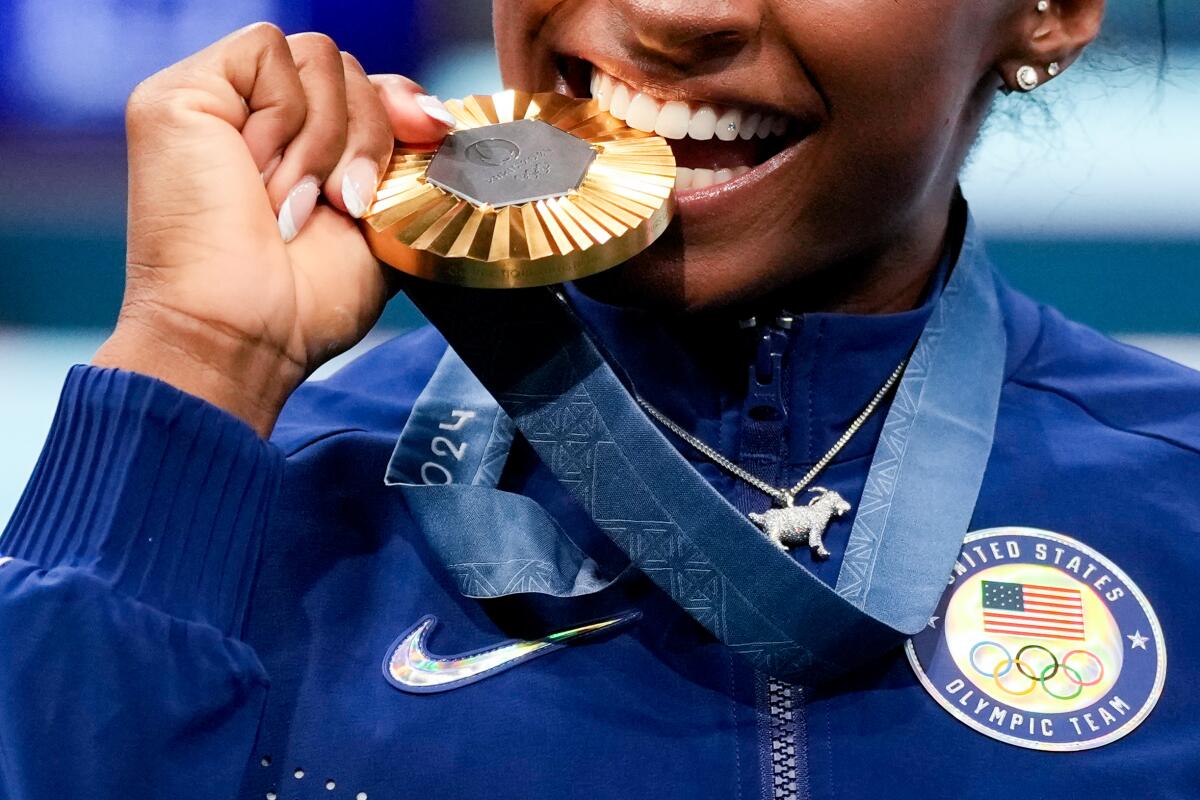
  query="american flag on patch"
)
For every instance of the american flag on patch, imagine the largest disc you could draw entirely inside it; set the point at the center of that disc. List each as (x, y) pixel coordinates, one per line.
(1027, 609)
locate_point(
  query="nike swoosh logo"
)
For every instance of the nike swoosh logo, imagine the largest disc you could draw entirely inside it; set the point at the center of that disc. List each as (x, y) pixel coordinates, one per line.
(410, 667)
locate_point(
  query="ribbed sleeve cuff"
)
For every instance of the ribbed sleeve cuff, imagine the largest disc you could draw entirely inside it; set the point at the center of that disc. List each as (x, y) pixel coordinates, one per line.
(156, 491)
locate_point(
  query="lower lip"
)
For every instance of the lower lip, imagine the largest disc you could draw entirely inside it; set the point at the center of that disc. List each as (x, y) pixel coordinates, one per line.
(715, 198)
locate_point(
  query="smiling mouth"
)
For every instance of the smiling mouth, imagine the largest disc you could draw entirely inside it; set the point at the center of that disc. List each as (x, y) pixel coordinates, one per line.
(713, 144)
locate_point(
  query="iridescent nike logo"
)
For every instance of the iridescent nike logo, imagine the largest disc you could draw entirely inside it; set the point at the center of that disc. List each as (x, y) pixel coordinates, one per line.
(410, 667)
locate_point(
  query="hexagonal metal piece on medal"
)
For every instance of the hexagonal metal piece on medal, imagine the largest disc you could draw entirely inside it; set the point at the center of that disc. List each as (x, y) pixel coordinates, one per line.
(510, 163)
(528, 190)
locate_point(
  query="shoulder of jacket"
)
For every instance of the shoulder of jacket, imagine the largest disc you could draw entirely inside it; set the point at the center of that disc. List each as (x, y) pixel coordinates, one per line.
(1118, 385)
(373, 393)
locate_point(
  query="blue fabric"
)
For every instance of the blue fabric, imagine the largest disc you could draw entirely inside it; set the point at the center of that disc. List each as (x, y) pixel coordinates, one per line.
(134, 552)
(925, 476)
(186, 602)
(130, 459)
(459, 437)
(569, 403)
(446, 463)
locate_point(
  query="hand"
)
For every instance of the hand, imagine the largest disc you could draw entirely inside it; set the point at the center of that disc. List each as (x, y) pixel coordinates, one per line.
(247, 162)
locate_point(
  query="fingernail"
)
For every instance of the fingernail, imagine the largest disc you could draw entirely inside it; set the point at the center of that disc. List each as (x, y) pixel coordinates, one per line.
(298, 207)
(359, 185)
(434, 108)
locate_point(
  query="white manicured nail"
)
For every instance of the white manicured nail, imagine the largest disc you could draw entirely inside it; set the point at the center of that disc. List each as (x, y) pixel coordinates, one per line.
(298, 207)
(435, 110)
(358, 186)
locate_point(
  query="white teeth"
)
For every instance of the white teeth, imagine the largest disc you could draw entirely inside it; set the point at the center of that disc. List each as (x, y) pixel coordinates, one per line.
(750, 125)
(728, 125)
(673, 120)
(764, 127)
(602, 89)
(620, 100)
(703, 124)
(677, 119)
(701, 178)
(643, 112)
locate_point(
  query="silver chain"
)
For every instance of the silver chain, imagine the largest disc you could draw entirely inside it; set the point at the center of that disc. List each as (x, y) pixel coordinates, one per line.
(782, 496)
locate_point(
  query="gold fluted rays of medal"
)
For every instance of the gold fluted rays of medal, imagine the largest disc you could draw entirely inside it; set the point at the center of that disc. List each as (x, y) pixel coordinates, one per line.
(622, 204)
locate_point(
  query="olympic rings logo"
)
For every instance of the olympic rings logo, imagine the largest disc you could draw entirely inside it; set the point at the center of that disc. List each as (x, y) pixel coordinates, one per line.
(1040, 674)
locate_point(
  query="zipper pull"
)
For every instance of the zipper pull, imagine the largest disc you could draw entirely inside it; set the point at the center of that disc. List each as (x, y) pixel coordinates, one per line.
(764, 399)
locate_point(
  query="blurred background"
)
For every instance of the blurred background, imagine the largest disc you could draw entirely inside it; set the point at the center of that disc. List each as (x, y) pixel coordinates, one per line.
(1089, 191)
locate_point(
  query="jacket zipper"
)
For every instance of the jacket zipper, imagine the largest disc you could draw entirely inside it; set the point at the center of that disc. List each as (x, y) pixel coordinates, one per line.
(786, 713)
(765, 390)
(785, 760)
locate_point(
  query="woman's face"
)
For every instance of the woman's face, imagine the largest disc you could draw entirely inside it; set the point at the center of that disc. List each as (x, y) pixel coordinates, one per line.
(882, 99)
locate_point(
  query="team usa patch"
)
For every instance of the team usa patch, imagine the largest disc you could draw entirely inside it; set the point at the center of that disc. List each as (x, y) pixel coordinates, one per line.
(1041, 642)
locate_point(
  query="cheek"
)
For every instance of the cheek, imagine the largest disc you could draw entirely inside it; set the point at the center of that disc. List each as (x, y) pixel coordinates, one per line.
(897, 77)
(515, 23)
(524, 33)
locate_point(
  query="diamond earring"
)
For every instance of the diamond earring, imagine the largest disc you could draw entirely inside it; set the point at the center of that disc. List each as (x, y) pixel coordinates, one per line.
(1043, 6)
(1027, 78)
(1053, 69)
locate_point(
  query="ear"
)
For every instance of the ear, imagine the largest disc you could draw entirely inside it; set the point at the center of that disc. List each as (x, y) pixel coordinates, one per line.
(1047, 36)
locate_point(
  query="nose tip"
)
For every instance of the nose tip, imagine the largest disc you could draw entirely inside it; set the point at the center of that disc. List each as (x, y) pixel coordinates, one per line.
(690, 31)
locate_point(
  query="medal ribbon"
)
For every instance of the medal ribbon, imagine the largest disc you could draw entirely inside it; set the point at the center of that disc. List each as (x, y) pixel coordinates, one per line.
(528, 351)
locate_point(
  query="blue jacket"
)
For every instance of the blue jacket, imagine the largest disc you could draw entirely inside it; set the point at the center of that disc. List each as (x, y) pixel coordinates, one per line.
(188, 611)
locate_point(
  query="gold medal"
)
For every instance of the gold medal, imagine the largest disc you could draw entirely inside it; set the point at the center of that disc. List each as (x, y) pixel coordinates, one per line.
(529, 190)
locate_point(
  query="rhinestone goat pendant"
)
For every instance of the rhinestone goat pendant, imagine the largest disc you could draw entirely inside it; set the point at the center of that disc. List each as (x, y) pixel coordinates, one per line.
(794, 525)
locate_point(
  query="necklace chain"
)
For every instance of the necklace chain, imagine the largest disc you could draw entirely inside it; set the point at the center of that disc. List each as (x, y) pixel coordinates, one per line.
(784, 497)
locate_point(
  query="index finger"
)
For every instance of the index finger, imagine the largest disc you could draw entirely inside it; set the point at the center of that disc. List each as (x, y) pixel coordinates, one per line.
(415, 117)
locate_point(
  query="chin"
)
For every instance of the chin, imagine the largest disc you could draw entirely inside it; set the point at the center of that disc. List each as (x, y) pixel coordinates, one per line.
(673, 277)
(655, 279)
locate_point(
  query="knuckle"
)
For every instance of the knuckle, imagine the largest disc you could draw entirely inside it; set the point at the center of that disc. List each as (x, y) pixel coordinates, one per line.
(141, 97)
(352, 64)
(265, 34)
(315, 42)
(150, 99)
(402, 81)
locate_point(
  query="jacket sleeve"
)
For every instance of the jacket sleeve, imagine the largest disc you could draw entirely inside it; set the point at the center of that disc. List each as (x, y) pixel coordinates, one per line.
(125, 573)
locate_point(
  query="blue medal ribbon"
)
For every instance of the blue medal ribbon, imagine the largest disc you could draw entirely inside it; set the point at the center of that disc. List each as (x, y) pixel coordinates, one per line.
(448, 461)
(528, 351)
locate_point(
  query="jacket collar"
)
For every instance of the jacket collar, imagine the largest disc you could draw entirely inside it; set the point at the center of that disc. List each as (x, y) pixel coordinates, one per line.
(708, 374)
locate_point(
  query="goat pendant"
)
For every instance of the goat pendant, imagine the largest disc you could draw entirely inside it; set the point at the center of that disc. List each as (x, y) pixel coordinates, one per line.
(792, 525)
